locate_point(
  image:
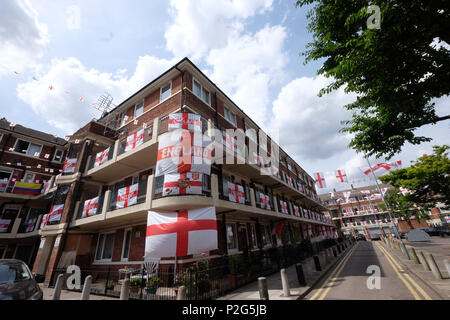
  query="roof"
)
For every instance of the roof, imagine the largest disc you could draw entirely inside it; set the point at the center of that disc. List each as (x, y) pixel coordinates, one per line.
(5, 125)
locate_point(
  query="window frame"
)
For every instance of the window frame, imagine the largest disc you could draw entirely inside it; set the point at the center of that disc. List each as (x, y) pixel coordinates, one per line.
(140, 103)
(228, 111)
(105, 234)
(28, 148)
(161, 92)
(122, 258)
(62, 153)
(235, 238)
(202, 89)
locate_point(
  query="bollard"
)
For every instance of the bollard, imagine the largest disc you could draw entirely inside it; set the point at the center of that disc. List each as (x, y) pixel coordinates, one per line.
(317, 263)
(181, 293)
(423, 261)
(125, 289)
(334, 252)
(58, 287)
(285, 283)
(434, 267)
(262, 286)
(412, 253)
(447, 266)
(300, 274)
(86, 288)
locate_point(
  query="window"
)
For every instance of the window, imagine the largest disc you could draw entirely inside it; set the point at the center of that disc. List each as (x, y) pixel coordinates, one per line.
(201, 92)
(138, 109)
(105, 246)
(123, 119)
(5, 175)
(253, 235)
(126, 244)
(231, 236)
(230, 116)
(58, 155)
(29, 177)
(165, 92)
(27, 148)
(266, 236)
(251, 133)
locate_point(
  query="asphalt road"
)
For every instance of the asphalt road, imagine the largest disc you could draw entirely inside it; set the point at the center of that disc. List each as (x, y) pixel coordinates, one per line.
(350, 279)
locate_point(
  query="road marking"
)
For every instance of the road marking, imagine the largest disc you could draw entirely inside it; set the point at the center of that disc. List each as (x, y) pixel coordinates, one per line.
(338, 268)
(418, 288)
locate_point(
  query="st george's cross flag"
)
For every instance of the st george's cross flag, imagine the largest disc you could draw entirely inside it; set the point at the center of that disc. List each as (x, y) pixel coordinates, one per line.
(55, 213)
(296, 211)
(182, 233)
(187, 121)
(182, 151)
(383, 167)
(283, 207)
(69, 165)
(264, 201)
(383, 191)
(347, 195)
(290, 181)
(305, 213)
(319, 179)
(341, 176)
(30, 224)
(90, 207)
(258, 160)
(4, 225)
(236, 193)
(101, 157)
(134, 140)
(276, 172)
(299, 186)
(127, 196)
(182, 183)
(44, 221)
(229, 141)
(3, 185)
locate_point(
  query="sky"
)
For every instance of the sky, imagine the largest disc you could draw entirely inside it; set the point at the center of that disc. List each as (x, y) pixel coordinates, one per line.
(58, 57)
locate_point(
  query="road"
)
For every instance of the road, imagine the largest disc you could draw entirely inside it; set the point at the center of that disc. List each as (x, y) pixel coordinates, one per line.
(349, 279)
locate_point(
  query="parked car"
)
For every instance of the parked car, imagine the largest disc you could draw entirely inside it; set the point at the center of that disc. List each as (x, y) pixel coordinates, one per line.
(360, 237)
(17, 282)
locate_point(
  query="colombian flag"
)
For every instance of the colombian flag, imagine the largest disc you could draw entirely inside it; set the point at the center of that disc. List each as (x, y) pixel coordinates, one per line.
(27, 188)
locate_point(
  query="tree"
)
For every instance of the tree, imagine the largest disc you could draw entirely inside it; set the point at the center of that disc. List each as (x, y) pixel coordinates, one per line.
(395, 71)
(428, 178)
(401, 207)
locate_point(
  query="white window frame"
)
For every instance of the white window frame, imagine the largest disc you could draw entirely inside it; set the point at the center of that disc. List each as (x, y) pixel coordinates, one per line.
(140, 103)
(32, 180)
(124, 243)
(26, 153)
(103, 247)
(226, 113)
(62, 153)
(202, 88)
(160, 91)
(235, 236)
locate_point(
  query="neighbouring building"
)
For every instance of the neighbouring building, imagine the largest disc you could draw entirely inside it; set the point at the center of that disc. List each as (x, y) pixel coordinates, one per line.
(29, 162)
(111, 238)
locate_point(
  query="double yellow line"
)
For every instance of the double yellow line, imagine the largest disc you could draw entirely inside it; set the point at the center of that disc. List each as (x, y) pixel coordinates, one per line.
(328, 284)
(401, 273)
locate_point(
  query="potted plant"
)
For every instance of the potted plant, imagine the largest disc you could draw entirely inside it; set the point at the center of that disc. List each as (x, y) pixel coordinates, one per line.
(152, 285)
(135, 284)
(110, 284)
(235, 269)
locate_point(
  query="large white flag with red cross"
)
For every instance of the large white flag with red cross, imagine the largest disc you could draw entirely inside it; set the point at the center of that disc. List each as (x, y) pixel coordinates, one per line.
(44, 221)
(182, 151)
(69, 165)
(187, 121)
(276, 172)
(55, 213)
(181, 233)
(90, 207)
(182, 183)
(383, 167)
(264, 201)
(319, 179)
(283, 207)
(341, 176)
(127, 196)
(101, 157)
(236, 193)
(134, 140)
(229, 141)
(296, 211)
(290, 181)
(30, 224)
(300, 186)
(4, 225)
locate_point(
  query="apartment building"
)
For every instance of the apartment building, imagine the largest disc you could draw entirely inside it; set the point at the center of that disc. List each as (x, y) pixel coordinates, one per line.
(112, 236)
(29, 162)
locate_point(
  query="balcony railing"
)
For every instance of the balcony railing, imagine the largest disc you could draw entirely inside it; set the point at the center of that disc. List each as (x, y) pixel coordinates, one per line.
(223, 192)
(258, 200)
(98, 211)
(141, 197)
(159, 187)
(148, 135)
(110, 155)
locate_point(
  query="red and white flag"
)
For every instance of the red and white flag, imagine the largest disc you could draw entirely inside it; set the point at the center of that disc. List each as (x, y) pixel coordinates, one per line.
(404, 191)
(383, 167)
(181, 233)
(90, 207)
(258, 160)
(183, 151)
(278, 228)
(383, 191)
(236, 193)
(300, 186)
(283, 207)
(31, 224)
(290, 181)
(182, 183)
(187, 121)
(276, 172)
(55, 213)
(101, 157)
(341, 176)
(46, 186)
(319, 179)
(305, 213)
(134, 140)
(127, 196)
(296, 211)
(3, 185)
(365, 191)
(229, 141)
(69, 165)
(4, 225)
(44, 220)
(264, 201)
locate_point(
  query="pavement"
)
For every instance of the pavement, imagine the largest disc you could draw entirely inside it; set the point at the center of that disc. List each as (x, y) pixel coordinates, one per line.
(251, 291)
(70, 295)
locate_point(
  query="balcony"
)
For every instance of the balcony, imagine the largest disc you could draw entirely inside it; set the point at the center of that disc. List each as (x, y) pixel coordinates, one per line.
(17, 229)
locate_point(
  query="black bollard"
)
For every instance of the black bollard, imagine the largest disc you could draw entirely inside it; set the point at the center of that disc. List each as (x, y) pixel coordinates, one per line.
(300, 274)
(334, 253)
(317, 263)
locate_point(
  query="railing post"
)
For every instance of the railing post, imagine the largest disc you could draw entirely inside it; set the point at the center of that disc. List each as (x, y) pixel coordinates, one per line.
(263, 291)
(285, 283)
(317, 263)
(88, 161)
(124, 289)
(58, 287)
(86, 288)
(155, 128)
(150, 190)
(116, 150)
(106, 201)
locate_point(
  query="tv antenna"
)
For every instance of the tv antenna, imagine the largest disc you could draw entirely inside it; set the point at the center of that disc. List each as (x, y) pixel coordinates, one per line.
(104, 103)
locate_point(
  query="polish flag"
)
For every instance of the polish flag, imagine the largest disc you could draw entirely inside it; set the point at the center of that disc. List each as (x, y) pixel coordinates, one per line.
(283, 206)
(134, 140)
(182, 233)
(127, 196)
(320, 180)
(55, 213)
(90, 207)
(182, 151)
(236, 193)
(4, 225)
(187, 121)
(182, 183)
(101, 157)
(69, 165)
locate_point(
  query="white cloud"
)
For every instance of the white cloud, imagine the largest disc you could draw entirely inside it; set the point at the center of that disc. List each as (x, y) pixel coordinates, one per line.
(308, 124)
(203, 24)
(23, 39)
(71, 80)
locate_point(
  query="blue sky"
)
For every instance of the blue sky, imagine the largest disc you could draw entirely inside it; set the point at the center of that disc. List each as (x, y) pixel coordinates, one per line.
(250, 49)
